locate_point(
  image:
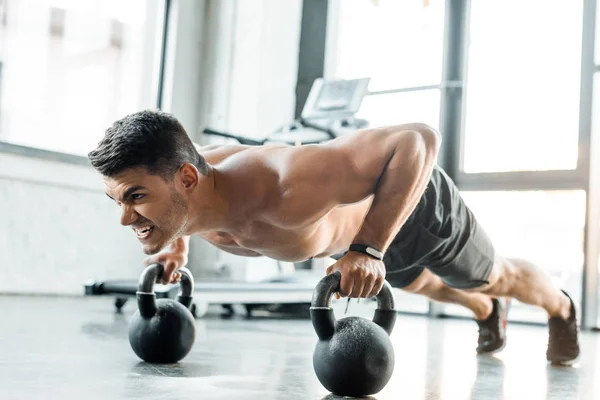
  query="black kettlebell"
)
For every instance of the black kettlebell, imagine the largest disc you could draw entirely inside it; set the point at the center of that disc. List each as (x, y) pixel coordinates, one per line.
(163, 330)
(354, 356)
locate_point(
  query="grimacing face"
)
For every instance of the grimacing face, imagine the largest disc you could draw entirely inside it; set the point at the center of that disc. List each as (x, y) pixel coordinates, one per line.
(151, 206)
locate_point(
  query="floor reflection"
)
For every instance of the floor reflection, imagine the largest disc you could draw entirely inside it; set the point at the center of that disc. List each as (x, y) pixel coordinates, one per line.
(53, 354)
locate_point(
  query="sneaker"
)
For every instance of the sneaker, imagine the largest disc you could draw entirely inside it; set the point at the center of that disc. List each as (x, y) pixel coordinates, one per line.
(563, 341)
(492, 331)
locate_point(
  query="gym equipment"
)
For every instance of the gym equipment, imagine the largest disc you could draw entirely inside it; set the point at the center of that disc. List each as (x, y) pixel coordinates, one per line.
(272, 295)
(124, 289)
(335, 99)
(328, 112)
(162, 331)
(354, 356)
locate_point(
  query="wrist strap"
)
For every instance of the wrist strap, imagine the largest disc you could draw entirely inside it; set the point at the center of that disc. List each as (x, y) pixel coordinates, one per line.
(368, 250)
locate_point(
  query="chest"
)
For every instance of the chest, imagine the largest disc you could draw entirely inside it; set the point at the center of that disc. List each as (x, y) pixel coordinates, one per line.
(257, 235)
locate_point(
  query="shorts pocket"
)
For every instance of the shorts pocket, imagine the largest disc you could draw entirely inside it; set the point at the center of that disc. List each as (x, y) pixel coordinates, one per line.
(429, 248)
(468, 268)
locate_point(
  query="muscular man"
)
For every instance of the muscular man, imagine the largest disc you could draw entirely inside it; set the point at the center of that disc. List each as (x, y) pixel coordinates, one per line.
(375, 196)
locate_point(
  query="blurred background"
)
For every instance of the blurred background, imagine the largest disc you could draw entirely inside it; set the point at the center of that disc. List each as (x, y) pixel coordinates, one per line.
(511, 85)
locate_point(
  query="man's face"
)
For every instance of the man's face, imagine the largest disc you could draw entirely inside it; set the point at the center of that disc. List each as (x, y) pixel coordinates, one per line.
(152, 207)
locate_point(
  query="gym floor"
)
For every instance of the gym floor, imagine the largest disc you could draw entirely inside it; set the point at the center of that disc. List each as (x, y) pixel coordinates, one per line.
(62, 348)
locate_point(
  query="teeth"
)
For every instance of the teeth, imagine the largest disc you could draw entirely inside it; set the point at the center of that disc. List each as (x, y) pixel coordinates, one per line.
(141, 233)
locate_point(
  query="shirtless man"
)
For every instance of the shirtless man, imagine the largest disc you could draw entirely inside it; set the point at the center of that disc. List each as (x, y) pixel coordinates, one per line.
(374, 199)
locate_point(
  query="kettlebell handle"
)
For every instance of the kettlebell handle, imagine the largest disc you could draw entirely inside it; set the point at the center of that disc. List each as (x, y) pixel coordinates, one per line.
(322, 314)
(145, 293)
(154, 272)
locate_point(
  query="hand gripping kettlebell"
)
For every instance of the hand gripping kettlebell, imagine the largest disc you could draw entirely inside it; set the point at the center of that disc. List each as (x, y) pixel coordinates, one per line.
(354, 356)
(162, 331)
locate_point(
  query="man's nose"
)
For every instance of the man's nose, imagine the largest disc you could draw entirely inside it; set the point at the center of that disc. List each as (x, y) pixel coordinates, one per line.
(128, 215)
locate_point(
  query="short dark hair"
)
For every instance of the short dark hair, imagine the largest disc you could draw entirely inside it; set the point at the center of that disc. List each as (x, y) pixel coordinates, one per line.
(154, 140)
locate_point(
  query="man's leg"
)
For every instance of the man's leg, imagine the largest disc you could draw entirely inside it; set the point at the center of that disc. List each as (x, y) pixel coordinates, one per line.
(490, 313)
(431, 286)
(528, 284)
(531, 285)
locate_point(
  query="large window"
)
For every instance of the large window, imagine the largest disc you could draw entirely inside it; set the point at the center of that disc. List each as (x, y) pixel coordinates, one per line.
(524, 62)
(396, 43)
(397, 108)
(399, 45)
(69, 68)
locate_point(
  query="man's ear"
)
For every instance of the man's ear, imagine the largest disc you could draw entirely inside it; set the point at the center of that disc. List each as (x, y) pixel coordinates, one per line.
(189, 176)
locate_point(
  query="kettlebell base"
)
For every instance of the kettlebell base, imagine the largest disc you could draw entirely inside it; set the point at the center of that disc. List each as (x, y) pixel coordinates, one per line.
(357, 361)
(165, 338)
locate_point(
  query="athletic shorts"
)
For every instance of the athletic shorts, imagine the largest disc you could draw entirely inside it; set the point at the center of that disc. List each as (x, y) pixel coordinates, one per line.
(443, 236)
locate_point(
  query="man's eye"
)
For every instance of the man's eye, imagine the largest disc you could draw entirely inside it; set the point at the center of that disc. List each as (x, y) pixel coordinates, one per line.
(137, 196)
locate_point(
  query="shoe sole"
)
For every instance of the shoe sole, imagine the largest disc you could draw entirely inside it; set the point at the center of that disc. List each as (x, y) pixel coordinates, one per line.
(566, 363)
(492, 352)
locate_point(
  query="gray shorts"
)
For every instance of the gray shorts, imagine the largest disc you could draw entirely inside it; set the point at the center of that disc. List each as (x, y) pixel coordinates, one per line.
(443, 236)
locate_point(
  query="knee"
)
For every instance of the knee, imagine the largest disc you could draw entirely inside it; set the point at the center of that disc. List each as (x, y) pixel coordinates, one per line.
(415, 287)
(502, 277)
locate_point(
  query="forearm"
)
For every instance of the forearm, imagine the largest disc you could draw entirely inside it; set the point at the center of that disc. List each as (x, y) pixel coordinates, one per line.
(180, 245)
(399, 188)
(171, 257)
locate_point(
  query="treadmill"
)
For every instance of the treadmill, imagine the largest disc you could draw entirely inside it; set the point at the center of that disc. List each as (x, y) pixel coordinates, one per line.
(329, 112)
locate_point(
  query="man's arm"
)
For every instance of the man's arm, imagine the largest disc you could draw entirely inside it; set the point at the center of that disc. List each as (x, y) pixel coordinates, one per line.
(411, 154)
(392, 164)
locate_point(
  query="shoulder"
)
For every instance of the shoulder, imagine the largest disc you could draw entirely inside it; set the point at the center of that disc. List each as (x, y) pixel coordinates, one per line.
(214, 154)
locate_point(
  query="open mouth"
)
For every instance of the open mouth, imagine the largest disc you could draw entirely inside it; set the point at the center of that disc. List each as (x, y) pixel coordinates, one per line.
(144, 232)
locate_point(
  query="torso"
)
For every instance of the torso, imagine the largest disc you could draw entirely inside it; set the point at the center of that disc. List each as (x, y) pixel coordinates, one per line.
(332, 234)
(291, 225)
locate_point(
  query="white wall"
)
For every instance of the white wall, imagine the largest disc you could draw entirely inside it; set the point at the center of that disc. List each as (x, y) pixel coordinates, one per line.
(58, 229)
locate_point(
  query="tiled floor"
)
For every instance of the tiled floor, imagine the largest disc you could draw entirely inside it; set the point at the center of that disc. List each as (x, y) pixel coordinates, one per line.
(64, 348)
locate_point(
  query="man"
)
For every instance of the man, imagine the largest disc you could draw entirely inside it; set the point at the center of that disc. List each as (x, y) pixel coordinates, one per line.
(376, 195)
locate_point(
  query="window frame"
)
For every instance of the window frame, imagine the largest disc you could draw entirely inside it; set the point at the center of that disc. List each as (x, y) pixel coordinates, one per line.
(7, 147)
